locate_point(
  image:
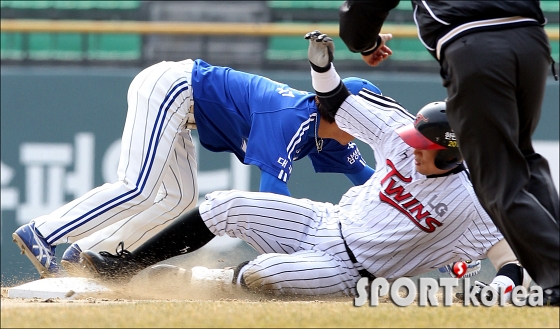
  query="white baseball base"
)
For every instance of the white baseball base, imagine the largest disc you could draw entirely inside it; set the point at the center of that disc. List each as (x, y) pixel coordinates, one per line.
(63, 288)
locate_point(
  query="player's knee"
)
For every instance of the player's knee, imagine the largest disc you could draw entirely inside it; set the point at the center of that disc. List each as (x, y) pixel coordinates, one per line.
(142, 196)
(177, 204)
(189, 198)
(259, 279)
(229, 197)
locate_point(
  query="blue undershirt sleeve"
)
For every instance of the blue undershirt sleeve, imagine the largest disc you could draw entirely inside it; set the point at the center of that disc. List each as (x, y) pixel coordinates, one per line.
(362, 176)
(272, 184)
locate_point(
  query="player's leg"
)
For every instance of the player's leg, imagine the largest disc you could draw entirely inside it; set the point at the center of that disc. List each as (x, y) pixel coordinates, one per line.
(308, 272)
(158, 101)
(485, 116)
(178, 193)
(533, 71)
(266, 221)
(540, 185)
(186, 234)
(304, 273)
(155, 118)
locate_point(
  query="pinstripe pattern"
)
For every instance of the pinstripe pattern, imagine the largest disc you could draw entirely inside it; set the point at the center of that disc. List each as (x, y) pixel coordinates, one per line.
(156, 170)
(302, 249)
(176, 195)
(394, 245)
(399, 223)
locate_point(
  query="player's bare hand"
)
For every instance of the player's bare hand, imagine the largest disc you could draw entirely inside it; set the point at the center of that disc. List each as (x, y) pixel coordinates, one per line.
(381, 53)
(321, 49)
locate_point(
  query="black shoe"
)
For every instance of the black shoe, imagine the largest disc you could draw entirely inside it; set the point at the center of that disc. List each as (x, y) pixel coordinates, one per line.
(551, 296)
(119, 267)
(236, 271)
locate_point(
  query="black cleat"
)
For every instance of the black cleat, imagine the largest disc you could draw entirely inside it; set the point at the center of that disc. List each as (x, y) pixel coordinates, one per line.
(104, 265)
(236, 271)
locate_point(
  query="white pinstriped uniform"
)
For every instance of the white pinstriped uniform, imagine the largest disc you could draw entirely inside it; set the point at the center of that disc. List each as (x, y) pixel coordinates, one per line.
(399, 223)
(156, 172)
(236, 112)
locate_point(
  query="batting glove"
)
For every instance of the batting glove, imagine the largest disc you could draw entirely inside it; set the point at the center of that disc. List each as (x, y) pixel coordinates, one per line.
(320, 52)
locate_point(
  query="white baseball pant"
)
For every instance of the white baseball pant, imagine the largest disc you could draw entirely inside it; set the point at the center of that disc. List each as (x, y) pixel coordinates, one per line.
(303, 250)
(156, 172)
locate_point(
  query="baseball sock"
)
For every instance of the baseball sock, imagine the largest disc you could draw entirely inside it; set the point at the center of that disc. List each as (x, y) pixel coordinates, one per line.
(186, 234)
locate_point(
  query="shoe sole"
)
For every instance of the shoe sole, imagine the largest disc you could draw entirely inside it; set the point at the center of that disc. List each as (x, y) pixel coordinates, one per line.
(92, 272)
(87, 265)
(43, 271)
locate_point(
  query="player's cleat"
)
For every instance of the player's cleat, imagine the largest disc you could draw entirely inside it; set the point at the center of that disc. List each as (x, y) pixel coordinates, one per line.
(551, 296)
(71, 260)
(40, 253)
(119, 267)
(72, 254)
(166, 272)
(473, 268)
(238, 274)
(201, 273)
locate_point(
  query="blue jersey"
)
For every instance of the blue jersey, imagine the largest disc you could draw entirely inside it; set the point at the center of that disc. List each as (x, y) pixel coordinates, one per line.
(263, 122)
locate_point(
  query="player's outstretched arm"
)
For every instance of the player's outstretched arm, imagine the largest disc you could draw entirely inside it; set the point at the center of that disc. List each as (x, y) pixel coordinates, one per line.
(327, 83)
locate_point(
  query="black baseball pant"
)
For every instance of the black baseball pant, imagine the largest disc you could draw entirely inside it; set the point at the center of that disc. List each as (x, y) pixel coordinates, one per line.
(495, 82)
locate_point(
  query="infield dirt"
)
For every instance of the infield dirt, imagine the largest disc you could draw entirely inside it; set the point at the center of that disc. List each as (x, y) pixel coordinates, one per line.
(169, 303)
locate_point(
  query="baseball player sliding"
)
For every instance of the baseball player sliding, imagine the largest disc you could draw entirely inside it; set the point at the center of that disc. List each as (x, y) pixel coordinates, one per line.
(263, 122)
(417, 213)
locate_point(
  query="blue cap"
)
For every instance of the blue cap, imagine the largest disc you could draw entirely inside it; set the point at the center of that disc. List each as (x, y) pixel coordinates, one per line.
(354, 85)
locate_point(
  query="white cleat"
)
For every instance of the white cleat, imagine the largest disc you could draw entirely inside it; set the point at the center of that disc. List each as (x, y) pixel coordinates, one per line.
(201, 273)
(166, 272)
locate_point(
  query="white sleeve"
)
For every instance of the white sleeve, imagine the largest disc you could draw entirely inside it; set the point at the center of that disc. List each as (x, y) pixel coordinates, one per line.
(372, 118)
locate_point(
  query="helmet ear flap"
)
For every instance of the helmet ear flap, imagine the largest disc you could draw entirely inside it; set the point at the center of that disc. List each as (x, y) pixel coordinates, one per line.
(448, 159)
